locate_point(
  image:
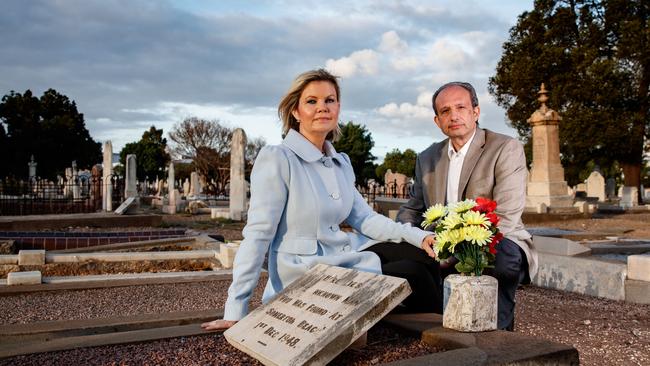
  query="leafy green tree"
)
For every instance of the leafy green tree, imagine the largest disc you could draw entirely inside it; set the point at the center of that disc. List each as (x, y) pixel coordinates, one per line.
(151, 154)
(50, 128)
(594, 57)
(356, 141)
(398, 162)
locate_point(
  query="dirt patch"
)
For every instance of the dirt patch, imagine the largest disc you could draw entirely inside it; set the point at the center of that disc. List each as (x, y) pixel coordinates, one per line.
(100, 268)
(630, 225)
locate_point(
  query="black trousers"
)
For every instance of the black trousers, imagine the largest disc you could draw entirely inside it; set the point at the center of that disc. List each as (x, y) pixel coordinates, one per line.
(421, 271)
(426, 277)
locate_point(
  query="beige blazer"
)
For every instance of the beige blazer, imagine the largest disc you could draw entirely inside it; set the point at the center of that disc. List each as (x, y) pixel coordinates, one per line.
(494, 167)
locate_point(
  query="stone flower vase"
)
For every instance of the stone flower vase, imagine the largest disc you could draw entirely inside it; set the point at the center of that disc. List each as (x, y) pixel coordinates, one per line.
(470, 303)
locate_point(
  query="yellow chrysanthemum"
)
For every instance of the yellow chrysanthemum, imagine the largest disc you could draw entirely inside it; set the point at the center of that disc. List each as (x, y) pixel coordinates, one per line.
(433, 213)
(475, 218)
(462, 206)
(452, 220)
(455, 237)
(477, 234)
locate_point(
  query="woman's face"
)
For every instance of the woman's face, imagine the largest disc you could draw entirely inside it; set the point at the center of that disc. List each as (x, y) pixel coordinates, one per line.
(318, 110)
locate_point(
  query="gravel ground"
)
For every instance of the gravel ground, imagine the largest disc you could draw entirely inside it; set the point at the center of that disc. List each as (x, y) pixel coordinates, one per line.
(605, 332)
(212, 349)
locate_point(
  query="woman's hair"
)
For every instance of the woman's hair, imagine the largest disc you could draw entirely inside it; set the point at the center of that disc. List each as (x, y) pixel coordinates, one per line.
(291, 100)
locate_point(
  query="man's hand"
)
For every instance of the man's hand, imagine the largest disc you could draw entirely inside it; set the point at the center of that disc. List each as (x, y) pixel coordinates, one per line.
(218, 324)
(427, 245)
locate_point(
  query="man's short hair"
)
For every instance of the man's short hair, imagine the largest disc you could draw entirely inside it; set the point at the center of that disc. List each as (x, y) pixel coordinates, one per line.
(464, 85)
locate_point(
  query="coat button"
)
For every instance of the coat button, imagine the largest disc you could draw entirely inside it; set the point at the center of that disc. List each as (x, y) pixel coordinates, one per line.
(334, 228)
(335, 195)
(327, 162)
(346, 248)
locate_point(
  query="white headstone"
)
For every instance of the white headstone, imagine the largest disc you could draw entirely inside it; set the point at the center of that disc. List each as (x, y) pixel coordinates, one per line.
(69, 181)
(317, 316)
(186, 187)
(107, 170)
(131, 189)
(194, 184)
(129, 203)
(237, 181)
(171, 195)
(32, 167)
(629, 196)
(596, 186)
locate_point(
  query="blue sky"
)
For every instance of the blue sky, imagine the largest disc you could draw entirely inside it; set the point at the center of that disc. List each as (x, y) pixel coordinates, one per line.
(131, 64)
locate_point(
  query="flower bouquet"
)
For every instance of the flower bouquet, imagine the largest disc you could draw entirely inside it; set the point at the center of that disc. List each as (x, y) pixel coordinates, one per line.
(467, 231)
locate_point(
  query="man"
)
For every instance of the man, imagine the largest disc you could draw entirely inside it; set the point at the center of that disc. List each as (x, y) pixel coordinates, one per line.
(472, 162)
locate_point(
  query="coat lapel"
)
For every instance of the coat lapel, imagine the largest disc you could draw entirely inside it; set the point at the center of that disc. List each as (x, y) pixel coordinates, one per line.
(437, 179)
(474, 153)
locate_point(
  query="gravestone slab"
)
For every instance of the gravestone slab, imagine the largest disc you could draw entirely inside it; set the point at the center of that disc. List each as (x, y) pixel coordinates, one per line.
(129, 203)
(317, 316)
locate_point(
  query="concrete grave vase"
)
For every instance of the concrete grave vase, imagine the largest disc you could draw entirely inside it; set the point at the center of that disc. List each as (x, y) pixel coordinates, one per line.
(470, 303)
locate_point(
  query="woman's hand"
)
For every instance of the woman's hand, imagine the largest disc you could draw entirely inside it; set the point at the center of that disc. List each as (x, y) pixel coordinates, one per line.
(218, 324)
(427, 244)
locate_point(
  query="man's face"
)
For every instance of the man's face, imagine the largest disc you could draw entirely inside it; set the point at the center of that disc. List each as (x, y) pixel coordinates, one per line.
(456, 117)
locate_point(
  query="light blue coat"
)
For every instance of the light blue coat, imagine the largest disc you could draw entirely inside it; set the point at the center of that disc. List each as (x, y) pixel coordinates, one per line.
(299, 196)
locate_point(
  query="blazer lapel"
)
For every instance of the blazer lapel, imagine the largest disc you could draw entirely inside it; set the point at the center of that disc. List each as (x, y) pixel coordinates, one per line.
(474, 153)
(439, 184)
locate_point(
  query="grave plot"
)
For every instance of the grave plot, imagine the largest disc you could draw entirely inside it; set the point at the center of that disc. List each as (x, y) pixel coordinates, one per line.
(173, 259)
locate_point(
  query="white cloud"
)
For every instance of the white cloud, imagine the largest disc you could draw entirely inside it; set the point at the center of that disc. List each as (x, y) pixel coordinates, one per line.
(364, 62)
(420, 109)
(391, 42)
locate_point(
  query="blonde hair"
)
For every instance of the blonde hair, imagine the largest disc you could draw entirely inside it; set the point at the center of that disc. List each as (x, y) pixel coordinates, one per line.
(291, 99)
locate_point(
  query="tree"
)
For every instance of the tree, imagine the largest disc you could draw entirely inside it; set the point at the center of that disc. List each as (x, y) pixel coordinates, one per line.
(151, 154)
(594, 57)
(356, 141)
(50, 128)
(208, 144)
(398, 162)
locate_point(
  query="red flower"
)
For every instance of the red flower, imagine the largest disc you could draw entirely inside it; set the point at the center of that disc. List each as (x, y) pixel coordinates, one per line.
(494, 219)
(495, 240)
(485, 205)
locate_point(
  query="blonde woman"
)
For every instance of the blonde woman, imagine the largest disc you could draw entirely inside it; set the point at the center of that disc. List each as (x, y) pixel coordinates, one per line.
(301, 191)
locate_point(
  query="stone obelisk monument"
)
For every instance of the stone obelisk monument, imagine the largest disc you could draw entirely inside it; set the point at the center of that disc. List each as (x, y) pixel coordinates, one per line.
(547, 190)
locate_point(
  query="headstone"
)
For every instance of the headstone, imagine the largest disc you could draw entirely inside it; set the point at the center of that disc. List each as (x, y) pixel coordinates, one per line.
(32, 167)
(596, 186)
(96, 183)
(69, 181)
(581, 187)
(171, 195)
(76, 182)
(129, 204)
(629, 197)
(107, 192)
(131, 189)
(317, 316)
(610, 188)
(237, 181)
(160, 184)
(546, 183)
(186, 187)
(194, 184)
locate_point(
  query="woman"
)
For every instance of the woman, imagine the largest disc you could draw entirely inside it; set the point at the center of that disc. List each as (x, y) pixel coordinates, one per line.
(301, 190)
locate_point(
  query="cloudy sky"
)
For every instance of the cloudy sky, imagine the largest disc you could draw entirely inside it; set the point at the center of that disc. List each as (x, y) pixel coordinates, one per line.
(131, 64)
